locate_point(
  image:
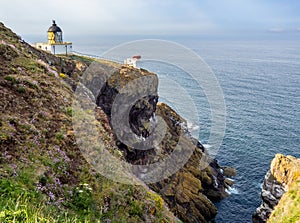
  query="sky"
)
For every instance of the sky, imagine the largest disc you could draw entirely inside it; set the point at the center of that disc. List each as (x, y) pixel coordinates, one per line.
(152, 17)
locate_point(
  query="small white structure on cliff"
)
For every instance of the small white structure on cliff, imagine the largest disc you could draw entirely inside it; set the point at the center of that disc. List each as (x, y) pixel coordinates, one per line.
(132, 61)
(55, 43)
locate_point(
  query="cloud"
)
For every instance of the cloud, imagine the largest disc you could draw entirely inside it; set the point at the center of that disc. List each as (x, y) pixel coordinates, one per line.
(107, 16)
(277, 30)
(148, 17)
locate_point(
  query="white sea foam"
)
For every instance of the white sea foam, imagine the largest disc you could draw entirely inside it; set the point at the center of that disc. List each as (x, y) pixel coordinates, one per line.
(230, 179)
(207, 146)
(192, 127)
(232, 190)
(241, 78)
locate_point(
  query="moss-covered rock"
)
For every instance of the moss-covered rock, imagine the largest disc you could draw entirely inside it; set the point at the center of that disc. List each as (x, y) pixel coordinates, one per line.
(280, 193)
(286, 169)
(287, 209)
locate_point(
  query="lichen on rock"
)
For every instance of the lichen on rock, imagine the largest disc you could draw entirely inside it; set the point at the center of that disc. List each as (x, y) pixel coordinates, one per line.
(280, 196)
(188, 191)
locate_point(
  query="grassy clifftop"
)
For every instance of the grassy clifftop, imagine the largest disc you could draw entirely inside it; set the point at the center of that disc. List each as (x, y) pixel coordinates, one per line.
(286, 169)
(43, 175)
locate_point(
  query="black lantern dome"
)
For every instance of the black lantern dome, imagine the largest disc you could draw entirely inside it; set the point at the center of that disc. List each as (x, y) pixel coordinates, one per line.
(54, 28)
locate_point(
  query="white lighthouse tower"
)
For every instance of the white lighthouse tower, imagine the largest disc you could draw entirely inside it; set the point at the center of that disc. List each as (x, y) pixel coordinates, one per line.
(55, 43)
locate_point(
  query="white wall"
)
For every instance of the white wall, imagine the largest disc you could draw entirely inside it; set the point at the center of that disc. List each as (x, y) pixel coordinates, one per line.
(59, 49)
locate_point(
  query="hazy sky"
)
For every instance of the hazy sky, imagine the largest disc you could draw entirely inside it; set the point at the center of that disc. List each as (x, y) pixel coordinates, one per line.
(152, 17)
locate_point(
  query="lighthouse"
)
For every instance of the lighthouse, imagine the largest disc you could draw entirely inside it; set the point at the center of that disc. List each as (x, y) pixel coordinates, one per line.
(54, 34)
(55, 43)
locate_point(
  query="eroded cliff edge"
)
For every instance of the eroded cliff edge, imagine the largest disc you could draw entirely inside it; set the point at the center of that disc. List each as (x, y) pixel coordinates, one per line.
(190, 191)
(280, 192)
(37, 138)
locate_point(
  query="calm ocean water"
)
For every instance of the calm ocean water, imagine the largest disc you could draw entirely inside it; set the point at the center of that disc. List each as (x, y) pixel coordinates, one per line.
(261, 85)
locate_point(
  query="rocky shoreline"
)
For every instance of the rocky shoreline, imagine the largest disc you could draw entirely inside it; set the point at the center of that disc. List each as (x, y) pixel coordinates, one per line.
(283, 175)
(42, 86)
(271, 193)
(38, 143)
(190, 191)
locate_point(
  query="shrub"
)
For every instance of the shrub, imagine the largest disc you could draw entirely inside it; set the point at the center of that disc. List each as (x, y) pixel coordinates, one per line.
(21, 90)
(82, 198)
(59, 136)
(135, 209)
(11, 79)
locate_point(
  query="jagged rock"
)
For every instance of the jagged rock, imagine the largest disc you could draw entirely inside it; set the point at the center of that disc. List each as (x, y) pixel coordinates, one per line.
(271, 193)
(229, 171)
(228, 182)
(284, 171)
(38, 147)
(188, 191)
(37, 131)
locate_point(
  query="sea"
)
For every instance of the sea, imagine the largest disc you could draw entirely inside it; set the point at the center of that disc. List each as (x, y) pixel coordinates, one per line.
(260, 83)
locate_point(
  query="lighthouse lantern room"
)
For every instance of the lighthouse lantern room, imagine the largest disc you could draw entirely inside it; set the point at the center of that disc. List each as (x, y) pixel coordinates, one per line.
(55, 43)
(54, 34)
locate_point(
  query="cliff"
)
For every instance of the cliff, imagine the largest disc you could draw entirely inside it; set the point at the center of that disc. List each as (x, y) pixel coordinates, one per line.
(280, 192)
(44, 172)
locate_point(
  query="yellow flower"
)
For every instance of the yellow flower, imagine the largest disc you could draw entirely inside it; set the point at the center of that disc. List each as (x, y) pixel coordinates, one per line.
(62, 75)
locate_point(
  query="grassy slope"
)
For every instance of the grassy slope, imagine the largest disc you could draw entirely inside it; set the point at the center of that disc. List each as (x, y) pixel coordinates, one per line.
(286, 170)
(43, 176)
(288, 208)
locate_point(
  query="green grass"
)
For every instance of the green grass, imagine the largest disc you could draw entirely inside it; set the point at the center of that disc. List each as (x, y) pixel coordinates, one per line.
(21, 202)
(21, 90)
(59, 136)
(83, 59)
(29, 65)
(43, 177)
(22, 210)
(69, 111)
(288, 208)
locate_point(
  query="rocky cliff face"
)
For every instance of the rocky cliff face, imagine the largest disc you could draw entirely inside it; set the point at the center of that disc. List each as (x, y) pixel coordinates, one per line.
(279, 183)
(271, 193)
(190, 191)
(37, 136)
(43, 175)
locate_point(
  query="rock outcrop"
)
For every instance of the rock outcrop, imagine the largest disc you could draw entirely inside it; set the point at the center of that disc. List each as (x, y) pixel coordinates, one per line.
(271, 193)
(190, 191)
(280, 181)
(37, 137)
(44, 176)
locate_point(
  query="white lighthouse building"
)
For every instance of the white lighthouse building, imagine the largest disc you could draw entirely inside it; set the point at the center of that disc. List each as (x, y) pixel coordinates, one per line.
(55, 43)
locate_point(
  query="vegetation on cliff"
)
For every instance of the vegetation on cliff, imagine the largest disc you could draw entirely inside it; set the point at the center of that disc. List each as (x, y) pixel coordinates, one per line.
(286, 169)
(44, 176)
(280, 193)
